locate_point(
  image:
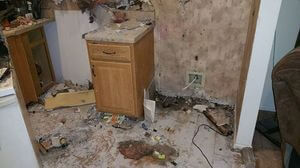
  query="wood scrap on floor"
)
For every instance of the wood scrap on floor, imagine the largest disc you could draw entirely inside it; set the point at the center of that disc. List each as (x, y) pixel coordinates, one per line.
(70, 99)
(52, 141)
(220, 119)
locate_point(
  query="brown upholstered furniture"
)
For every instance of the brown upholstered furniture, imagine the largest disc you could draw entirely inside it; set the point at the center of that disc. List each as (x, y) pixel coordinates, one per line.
(286, 88)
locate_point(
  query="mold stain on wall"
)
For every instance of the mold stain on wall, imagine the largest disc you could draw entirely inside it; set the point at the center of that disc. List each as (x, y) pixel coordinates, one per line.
(214, 31)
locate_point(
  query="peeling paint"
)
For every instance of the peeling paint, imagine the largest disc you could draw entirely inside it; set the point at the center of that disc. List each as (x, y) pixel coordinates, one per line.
(215, 31)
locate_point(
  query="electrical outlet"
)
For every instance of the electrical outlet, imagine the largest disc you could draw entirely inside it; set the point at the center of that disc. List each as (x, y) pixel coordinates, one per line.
(199, 82)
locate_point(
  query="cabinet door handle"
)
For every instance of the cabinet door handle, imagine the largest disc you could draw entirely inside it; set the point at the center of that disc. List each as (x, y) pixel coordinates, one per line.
(109, 53)
(93, 71)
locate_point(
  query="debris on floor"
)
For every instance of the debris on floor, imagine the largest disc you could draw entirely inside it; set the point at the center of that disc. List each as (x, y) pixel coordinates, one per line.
(35, 107)
(119, 17)
(93, 117)
(70, 99)
(220, 119)
(139, 149)
(116, 121)
(149, 110)
(4, 72)
(200, 108)
(52, 141)
(100, 139)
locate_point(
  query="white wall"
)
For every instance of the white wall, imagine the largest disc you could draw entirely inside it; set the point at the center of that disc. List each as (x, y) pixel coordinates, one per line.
(286, 35)
(261, 52)
(53, 45)
(67, 48)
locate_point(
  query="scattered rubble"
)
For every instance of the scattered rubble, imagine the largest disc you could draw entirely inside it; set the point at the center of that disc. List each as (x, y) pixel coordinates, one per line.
(113, 6)
(4, 72)
(144, 126)
(49, 142)
(200, 108)
(94, 117)
(147, 134)
(139, 149)
(173, 163)
(155, 142)
(117, 121)
(119, 17)
(221, 120)
(170, 130)
(159, 156)
(92, 134)
(36, 107)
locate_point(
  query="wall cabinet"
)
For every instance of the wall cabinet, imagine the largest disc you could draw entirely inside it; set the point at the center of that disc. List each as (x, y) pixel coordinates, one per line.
(120, 73)
(31, 61)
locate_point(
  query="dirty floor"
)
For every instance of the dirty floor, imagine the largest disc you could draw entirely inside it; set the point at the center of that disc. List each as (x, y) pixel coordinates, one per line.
(95, 143)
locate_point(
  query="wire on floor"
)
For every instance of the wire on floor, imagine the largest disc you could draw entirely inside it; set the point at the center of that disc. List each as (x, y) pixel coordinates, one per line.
(203, 154)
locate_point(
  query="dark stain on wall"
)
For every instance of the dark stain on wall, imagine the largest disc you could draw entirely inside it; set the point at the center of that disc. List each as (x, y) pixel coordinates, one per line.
(215, 31)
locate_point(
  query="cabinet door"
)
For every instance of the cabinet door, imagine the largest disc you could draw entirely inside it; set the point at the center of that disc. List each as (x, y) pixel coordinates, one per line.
(42, 65)
(113, 86)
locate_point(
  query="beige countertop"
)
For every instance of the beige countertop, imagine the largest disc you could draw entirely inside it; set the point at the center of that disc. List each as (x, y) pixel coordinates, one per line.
(25, 28)
(127, 32)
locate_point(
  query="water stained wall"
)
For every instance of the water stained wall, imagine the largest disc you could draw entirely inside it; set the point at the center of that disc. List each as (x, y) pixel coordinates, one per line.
(214, 31)
(206, 36)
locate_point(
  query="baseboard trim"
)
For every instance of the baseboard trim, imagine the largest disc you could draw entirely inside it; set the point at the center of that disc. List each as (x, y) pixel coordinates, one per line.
(240, 146)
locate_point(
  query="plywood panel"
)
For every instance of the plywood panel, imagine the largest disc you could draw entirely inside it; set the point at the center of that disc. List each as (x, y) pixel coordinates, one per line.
(70, 99)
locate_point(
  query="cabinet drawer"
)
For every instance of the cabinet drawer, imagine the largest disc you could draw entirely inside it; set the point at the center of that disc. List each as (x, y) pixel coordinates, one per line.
(109, 52)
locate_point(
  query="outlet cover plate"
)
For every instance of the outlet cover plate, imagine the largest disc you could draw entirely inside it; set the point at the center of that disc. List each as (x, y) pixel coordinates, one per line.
(199, 81)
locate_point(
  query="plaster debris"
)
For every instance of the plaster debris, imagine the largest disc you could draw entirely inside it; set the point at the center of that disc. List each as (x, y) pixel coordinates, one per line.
(119, 17)
(93, 139)
(4, 72)
(49, 142)
(221, 120)
(212, 105)
(36, 107)
(188, 111)
(170, 130)
(123, 126)
(139, 149)
(159, 156)
(149, 110)
(200, 108)
(144, 126)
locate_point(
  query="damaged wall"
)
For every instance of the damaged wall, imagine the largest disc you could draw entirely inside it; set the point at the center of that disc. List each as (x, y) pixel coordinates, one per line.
(214, 31)
(204, 36)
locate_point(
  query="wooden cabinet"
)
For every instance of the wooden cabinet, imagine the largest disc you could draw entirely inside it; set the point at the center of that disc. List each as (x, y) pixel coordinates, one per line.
(120, 73)
(31, 61)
